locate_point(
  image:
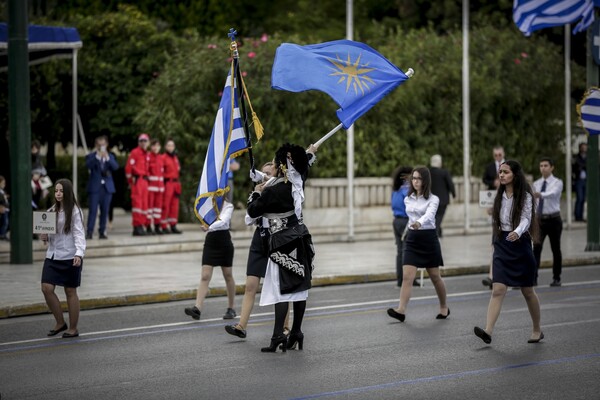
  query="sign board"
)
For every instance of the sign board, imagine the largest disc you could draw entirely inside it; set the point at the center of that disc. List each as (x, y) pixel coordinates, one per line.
(44, 222)
(486, 198)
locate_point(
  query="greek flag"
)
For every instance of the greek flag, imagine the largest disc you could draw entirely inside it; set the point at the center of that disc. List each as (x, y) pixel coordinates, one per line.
(532, 15)
(589, 111)
(353, 74)
(227, 141)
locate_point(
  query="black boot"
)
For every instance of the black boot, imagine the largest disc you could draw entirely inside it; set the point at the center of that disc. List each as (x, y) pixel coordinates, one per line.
(275, 342)
(174, 229)
(149, 231)
(138, 231)
(157, 230)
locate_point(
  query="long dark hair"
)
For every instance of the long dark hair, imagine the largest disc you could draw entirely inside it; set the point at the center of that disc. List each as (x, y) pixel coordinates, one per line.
(400, 175)
(68, 203)
(520, 190)
(425, 179)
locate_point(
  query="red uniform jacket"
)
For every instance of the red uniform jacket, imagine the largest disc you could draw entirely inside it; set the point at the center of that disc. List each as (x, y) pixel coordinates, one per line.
(155, 170)
(171, 164)
(137, 164)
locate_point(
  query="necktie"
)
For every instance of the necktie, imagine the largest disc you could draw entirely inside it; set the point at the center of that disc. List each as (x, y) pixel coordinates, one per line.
(541, 202)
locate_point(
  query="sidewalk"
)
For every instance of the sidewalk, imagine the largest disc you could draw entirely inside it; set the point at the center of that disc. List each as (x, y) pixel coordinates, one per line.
(150, 278)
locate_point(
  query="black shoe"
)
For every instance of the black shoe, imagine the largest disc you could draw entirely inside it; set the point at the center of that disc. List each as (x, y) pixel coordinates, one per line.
(235, 331)
(483, 335)
(67, 335)
(555, 282)
(229, 314)
(55, 332)
(416, 283)
(275, 342)
(88, 236)
(392, 313)
(149, 231)
(193, 312)
(139, 231)
(295, 337)
(487, 282)
(175, 230)
(536, 340)
(157, 230)
(103, 236)
(440, 316)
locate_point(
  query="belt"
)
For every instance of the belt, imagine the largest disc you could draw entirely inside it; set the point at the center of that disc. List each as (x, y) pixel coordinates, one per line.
(171, 180)
(551, 216)
(400, 216)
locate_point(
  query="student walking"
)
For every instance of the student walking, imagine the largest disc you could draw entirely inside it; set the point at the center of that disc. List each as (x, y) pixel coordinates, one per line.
(422, 246)
(513, 264)
(64, 259)
(218, 251)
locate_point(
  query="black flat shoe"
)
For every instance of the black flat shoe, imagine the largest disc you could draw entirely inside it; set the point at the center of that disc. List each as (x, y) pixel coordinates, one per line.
(295, 338)
(392, 313)
(193, 312)
(487, 282)
(536, 340)
(275, 343)
(235, 331)
(67, 335)
(483, 335)
(440, 316)
(54, 332)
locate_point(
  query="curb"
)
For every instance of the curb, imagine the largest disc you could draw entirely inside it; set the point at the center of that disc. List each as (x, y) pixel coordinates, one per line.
(178, 295)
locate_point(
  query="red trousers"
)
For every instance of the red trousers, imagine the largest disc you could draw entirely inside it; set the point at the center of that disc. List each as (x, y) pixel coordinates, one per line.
(139, 202)
(170, 211)
(155, 202)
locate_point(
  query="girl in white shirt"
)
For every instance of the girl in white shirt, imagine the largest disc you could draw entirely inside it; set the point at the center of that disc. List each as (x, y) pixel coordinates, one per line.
(422, 246)
(64, 258)
(513, 264)
(217, 251)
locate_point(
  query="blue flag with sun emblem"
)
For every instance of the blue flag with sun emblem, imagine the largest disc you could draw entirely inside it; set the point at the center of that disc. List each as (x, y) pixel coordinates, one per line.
(352, 73)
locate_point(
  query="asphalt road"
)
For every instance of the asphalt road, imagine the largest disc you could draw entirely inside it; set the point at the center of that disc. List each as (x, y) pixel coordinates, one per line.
(352, 349)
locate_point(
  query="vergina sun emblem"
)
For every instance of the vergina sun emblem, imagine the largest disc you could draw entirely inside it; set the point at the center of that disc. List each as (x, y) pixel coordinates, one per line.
(353, 73)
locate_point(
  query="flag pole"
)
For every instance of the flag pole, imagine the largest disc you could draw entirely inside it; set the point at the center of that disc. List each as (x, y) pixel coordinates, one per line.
(238, 78)
(329, 134)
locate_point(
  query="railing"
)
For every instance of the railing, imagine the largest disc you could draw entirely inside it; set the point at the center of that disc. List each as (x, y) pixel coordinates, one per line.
(371, 191)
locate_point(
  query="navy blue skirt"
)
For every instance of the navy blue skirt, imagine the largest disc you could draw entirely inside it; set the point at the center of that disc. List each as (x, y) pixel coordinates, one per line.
(422, 249)
(514, 262)
(61, 273)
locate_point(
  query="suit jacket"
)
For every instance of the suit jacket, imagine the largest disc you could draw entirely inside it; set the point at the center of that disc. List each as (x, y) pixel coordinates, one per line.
(441, 184)
(100, 171)
(490, 175)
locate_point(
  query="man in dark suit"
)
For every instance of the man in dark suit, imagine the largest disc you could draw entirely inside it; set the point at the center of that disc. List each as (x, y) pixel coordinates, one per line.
(101, 164)
(490, 176)
(442, 186)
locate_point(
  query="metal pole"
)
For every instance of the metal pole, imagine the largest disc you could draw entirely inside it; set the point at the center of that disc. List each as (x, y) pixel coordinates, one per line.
(568, 144)
(466, 114)
(20, 134)
(350, 138)
(74, 109)
(593, 178)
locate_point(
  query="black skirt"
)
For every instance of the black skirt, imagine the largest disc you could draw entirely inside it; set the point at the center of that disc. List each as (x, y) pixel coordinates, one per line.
(218, 249)
(61, 273)
(258, 255)
(513, 262)
(422, 249)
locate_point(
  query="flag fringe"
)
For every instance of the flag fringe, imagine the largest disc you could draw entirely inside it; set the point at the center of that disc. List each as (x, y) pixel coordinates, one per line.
(256, 124)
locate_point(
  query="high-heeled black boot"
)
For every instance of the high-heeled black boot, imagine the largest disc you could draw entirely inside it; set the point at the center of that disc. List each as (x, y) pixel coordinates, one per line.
(295, 337)
(275, 342)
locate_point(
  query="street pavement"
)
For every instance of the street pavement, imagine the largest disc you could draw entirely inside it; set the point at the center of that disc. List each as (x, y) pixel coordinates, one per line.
(352, 349)
(149, 278)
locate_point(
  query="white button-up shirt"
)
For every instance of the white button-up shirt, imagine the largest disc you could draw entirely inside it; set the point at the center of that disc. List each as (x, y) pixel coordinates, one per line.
(66, 246)
(551, 195)
(505, 212)
(421, 210)
(224, 221)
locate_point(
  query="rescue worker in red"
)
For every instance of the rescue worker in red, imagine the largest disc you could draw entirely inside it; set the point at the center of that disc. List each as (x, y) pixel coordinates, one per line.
(136, 171)
(156, 188)
(170, 211)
